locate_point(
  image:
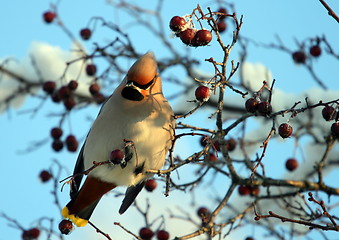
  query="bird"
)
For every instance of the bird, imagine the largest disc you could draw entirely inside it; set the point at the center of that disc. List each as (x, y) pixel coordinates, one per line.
(136, 119)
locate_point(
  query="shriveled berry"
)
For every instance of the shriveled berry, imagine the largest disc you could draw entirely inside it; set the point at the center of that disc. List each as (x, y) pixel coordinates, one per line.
(203, 141)
(31, 234)
(244, 190)
(145, 233)
(212, 158)
(299, 57)
(71, 143)
(203, 212)
(56, 132)
(117, 156)
(65, 226)
(49, 87)
(45, 176)
(150, 185)
(221, 26)
(91, 69)
(94, 89)
(249, 238)
(64, 92)
(163, 235)
(49, 16)
(56, 98)
(57, 145)
(335, 129)
(291, 164)
(72, 85)
(254, 190)
(202, 93)
(285, 130)
(328, 113)
(251, 105)
(231, 144)
(315, 51)
(264, 108)
(224, 11)
(69, 103)
(99, 98)
(85, 33)
(177, 23)
(202, 38)
(187, 36)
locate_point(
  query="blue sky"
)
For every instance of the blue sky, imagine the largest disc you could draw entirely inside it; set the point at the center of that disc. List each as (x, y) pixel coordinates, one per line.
(26, 199)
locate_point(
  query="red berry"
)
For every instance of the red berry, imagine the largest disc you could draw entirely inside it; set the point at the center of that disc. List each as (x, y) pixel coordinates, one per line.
(45, 176)
(221, 26)
(72, 85)
(30, 234)
(211, 157)
(49, 87)
(56, 133)
(224, 11)
(64, 92)
(231, 144)
(244, 190)
(249, 238)
(291, 164)
(69, 103)
(254, 190)
(202, 38)
(264, 108)
(146, 233)
(335, 129)
(150, 185)
(55, 97)
(299, 57)
(285, 130)
(315, 51)
(91, 69)
(85, 33)
(65, 226)
(251, 105)
(94, 89)
(328, 113)
(202, 93)
(203, 212)
(99, 98)
(187, 36)
(163, 235)
(49, 16)
(71, 143)
(116, 156)
(57, 145)
(177, 23)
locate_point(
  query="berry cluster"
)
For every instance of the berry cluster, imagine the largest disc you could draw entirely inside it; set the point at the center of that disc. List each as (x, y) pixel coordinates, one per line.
(189, 35)
(221, 24)
(330, 113)
(146, 233)
(245, 190)
(57, 144)
(300, 56)
(253, 105)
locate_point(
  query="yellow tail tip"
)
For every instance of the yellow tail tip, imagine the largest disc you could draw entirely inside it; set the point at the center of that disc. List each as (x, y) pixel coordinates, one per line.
(79, 222)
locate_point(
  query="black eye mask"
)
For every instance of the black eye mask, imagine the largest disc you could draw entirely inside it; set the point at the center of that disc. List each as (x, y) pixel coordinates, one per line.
(132, 94)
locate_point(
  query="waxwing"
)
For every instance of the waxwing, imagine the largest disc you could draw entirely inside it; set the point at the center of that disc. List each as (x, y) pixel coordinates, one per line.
(136, 119)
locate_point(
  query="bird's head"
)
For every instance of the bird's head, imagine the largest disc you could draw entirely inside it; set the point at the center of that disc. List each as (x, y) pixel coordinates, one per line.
(142, 79)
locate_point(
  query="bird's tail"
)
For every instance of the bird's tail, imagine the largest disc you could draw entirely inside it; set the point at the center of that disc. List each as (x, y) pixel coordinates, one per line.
(82, 205)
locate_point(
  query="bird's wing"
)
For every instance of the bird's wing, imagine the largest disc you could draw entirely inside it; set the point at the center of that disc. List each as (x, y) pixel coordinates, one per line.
(131, 193)
(78, 169)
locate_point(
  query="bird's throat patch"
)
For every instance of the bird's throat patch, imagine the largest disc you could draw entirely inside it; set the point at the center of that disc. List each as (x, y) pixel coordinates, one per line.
(132, 94)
